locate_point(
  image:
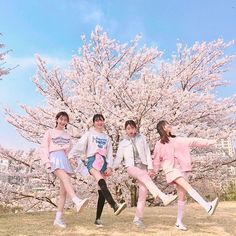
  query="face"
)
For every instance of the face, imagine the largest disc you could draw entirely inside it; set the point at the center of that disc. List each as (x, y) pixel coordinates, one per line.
(131, 131)
(167, 127)
(62, 121)
(99, 124)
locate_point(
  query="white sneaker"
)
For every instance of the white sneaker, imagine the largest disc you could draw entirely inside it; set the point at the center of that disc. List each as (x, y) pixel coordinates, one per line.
(213, 206)
(119, 208)
(98, 223)
(59, 223)
(169, 199)
(181, 227)
(139, 224)
(83, 203)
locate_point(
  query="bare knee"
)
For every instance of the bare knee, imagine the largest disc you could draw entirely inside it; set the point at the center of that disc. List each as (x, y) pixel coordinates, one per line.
(96, 174)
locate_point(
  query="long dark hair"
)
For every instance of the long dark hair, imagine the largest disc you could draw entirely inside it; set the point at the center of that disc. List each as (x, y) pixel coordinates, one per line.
(163, 135)
(62, 113)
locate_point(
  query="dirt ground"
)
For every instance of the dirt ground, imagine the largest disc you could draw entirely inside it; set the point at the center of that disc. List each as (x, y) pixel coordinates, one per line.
(159, 221)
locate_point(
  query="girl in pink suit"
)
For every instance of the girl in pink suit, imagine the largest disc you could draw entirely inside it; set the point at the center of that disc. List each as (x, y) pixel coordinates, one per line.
(173, 155)
(54, 149)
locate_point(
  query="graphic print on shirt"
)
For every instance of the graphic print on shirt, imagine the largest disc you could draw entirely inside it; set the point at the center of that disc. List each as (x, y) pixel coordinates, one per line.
(100, 142)
(60, 140)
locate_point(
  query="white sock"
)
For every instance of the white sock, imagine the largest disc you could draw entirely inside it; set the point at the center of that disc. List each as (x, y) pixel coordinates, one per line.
(181, 205)
(76, 200)
(136, 218)
(58, 215)
(198, 198)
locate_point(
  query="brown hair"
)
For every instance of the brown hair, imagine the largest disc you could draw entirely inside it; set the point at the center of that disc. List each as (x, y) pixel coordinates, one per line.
(131, 123)
(163, 135)
(62, 113)
(98, 117)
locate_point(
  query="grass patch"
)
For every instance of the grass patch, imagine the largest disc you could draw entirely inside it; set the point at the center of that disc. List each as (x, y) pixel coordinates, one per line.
(159, 221)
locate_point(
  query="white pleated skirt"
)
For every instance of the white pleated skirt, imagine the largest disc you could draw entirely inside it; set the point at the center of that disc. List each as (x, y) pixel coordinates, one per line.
(59, 160)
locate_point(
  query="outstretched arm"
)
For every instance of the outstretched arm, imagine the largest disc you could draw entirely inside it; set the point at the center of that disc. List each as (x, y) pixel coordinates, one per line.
(200, 142)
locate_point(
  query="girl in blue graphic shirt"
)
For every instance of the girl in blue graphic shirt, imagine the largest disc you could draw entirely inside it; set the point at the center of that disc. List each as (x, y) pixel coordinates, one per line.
(97, 147)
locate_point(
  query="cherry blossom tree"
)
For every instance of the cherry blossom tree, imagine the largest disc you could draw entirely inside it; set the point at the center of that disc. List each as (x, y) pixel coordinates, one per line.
(125, 81)
(3, 70)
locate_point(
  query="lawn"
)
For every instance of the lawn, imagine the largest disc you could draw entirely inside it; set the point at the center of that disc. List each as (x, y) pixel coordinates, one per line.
(159, 221)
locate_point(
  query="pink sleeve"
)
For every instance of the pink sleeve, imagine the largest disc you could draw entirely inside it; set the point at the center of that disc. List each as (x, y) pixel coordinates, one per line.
(67, 151)
(157, 158)
(200, 142)
(44, 148)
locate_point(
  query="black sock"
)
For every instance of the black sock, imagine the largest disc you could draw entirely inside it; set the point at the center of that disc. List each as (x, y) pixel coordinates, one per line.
(100, 204)
(106, 193)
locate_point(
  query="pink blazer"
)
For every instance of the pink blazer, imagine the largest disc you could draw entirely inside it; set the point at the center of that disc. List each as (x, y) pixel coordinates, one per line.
(176, 153)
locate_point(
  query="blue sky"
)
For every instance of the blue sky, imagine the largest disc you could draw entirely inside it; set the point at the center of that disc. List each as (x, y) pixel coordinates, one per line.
(53, 28)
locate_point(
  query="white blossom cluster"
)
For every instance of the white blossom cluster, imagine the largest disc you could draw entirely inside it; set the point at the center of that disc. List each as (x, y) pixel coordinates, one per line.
(121, 81)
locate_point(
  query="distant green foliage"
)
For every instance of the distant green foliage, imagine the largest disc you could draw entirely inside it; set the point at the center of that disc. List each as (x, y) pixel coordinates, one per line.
(230, 192)
(8, 209)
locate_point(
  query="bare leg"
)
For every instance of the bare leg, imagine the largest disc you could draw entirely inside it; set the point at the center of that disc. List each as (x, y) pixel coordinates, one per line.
(96, 174)
(193, 193)
(62, 197)
(65, 179)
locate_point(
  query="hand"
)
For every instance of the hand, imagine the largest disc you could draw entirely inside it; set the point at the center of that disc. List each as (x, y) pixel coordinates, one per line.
(108, 171)
(48, 167)
(151, 173)
(73, 162)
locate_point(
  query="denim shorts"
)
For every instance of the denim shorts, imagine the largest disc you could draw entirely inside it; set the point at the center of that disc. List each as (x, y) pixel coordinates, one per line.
(90, 161)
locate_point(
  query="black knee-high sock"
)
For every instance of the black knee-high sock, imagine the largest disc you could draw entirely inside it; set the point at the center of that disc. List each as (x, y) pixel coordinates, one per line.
(100, 204)
(106, 193)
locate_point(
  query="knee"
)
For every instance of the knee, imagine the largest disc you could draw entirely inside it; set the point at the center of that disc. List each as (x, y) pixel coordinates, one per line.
(63, 193)
(142, 200)
(102, 184)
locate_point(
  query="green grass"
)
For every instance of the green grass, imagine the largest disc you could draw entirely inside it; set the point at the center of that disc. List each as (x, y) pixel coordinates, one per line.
(159, 221)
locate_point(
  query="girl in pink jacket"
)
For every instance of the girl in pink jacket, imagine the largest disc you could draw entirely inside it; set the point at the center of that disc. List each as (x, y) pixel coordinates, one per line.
(54, 149)
(173, 155)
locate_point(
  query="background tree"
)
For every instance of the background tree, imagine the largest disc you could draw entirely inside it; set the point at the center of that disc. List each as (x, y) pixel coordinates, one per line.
(3, 70)
(126, 81)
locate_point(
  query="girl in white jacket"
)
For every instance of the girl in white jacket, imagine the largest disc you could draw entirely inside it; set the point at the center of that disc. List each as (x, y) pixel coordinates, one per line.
(135, 152)
(97, 148)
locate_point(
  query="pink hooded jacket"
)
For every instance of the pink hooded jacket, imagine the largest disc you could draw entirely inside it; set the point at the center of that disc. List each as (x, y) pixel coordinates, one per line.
(176, 153)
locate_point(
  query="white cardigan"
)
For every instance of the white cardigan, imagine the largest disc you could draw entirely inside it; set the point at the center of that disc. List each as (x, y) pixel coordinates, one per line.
(125, 152)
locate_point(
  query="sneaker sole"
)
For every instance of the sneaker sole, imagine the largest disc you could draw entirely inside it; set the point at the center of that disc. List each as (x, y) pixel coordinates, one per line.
(82, 206)
(213, 211)
(172, 200)
(120, 209)
(99, 226)
(179, 228)
(139, 226)
(59, 226)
